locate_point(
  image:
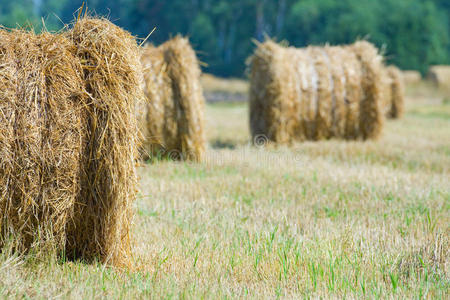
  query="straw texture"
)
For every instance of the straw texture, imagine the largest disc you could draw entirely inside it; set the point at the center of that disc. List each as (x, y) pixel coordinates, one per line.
(394, 92)
(440, 76)
(173, 120)
(69, 141)
(315, 93)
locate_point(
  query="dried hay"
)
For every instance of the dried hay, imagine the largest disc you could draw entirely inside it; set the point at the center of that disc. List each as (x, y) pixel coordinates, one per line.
(371, 110)
(41, 134)
(173, 120)
(275, 118)
(315, 93)
(394, 92)
(440, 76)
(353, 93)
(338, 88)
(68, 139)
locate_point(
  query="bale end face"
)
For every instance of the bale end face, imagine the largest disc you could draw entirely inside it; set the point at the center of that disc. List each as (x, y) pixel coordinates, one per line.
(110, 61)
(395, 93)
(42, 100)
(70, 140)
(173, 122)
(273, 106)
(440, 76)
(371, 115)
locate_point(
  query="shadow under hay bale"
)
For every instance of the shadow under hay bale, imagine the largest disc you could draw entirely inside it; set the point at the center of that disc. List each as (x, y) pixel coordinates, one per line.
(173, 120)
(69, 140)
(315, 93)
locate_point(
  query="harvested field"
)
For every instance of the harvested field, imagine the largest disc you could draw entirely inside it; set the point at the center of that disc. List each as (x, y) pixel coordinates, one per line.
(330, 219)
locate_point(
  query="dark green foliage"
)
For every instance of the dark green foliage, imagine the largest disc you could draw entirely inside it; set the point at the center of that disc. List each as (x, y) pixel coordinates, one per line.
(414, 33)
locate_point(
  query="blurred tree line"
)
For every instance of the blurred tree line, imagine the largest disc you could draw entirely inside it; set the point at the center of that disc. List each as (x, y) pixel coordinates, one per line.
(412, 33)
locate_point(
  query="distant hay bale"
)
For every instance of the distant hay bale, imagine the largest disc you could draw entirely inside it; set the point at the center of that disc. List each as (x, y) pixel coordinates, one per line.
(440, 76)
(411, 76)
(173, 121)
(315, 93)
(68, 137)
(394, 92)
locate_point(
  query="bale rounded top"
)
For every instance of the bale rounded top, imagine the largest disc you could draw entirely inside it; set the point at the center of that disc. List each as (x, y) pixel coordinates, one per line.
(394, 71)
(266, 51)
(110, 50)
(366, 50)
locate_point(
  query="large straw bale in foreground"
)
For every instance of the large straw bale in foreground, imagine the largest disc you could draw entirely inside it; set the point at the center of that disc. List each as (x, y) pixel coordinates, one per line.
(316, 92)
(68, 137)
(173, 120)
(394, 92)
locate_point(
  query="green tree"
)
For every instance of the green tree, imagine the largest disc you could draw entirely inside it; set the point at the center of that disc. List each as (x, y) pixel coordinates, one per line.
(414, 33)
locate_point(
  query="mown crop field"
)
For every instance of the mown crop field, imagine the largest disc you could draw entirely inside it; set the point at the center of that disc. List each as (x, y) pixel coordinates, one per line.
(325, 219)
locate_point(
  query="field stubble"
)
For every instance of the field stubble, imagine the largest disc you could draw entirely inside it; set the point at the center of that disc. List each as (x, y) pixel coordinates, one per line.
(329, 219)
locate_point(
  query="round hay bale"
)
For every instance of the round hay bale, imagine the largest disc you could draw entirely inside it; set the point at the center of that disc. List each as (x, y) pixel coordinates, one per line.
(371, 107)
(440, 76)
(386, 90)
(276, 118)
(395, 92)
(153, 114)
(264, 115)
(315, 93)
(173, 120)
(70, 140)
(110, 61)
